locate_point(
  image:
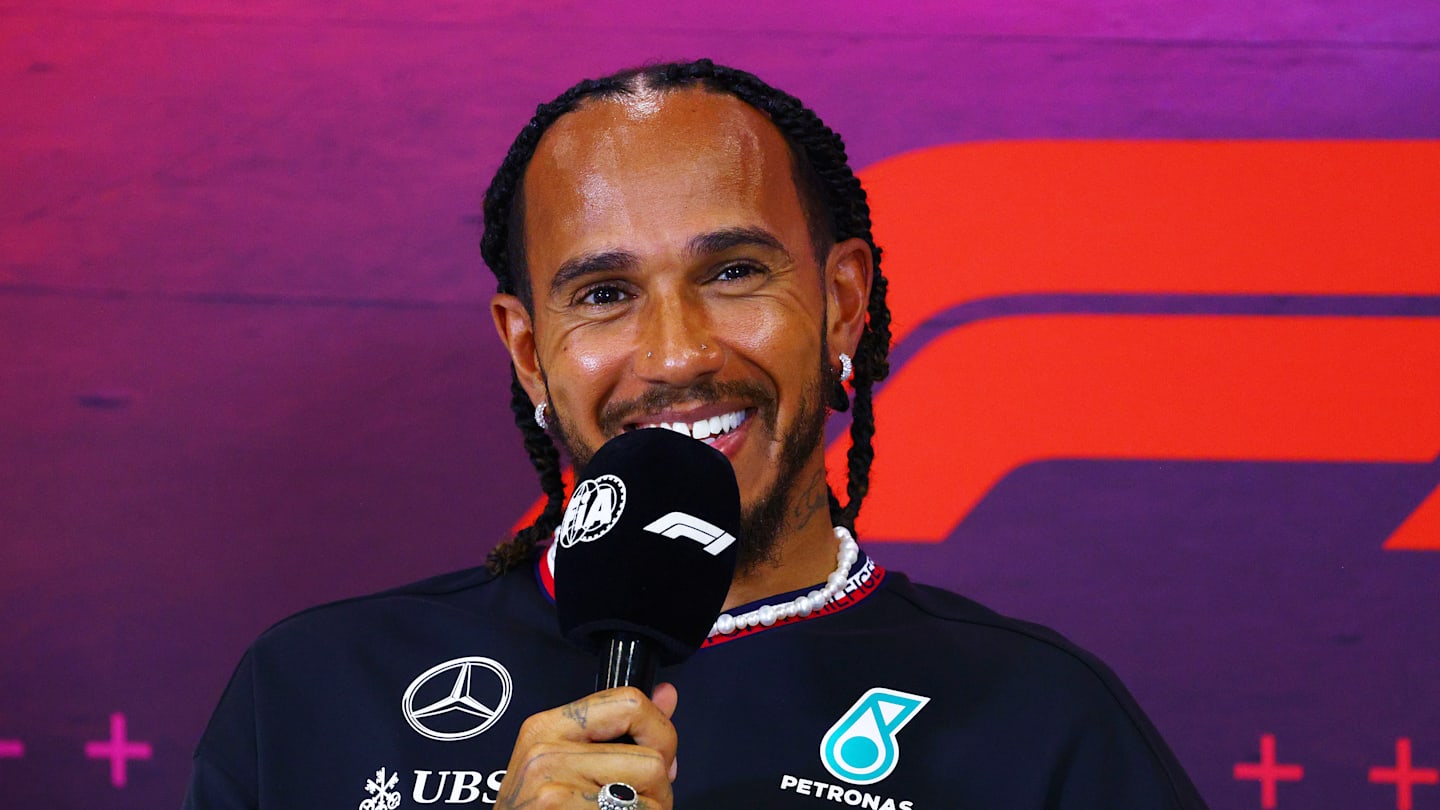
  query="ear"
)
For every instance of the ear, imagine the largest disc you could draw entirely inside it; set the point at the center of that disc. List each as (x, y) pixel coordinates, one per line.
(847, 294)
(517, 331)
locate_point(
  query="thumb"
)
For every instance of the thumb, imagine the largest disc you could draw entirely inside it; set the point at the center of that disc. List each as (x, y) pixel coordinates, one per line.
(665, 697)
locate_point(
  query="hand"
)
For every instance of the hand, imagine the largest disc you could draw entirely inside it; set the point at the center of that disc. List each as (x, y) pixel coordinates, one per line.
(563, 756)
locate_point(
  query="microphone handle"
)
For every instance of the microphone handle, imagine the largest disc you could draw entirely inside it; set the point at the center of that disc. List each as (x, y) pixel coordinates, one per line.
(629, 660)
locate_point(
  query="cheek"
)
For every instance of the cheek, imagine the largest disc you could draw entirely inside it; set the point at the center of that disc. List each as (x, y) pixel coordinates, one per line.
(590, 354)
(588, 361)
(785, 347)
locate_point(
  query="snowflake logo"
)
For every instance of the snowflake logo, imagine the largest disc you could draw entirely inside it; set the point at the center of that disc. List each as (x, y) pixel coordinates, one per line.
(382, 797)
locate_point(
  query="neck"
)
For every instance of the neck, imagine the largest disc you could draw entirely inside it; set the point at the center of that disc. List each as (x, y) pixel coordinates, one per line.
(804, 554)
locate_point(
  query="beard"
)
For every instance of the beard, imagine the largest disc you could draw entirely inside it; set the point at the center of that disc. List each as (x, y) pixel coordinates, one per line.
(763, 522)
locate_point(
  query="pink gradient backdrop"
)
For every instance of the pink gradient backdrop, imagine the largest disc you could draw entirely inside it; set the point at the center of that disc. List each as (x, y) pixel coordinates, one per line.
(246, 364)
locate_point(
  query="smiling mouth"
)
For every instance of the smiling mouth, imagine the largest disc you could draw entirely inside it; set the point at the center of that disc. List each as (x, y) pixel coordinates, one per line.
(704, 429)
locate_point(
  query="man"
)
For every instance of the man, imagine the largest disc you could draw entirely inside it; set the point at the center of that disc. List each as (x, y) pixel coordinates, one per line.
(685, 247)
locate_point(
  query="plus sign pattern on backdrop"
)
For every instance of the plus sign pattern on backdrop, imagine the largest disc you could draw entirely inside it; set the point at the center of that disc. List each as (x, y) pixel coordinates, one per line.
(1166, 282)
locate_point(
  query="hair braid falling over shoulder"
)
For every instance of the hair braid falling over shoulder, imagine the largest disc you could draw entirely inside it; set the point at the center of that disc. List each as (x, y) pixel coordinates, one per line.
(835, 208)
(546, 460)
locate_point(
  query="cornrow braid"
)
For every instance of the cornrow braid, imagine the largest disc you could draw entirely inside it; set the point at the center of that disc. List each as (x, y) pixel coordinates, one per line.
(835, 209)
(546, 460)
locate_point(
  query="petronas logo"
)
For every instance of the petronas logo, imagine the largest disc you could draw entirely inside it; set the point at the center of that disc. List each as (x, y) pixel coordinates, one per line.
(861, 747)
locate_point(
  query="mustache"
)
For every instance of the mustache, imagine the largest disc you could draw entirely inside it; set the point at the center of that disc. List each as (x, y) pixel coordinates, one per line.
(616, 415)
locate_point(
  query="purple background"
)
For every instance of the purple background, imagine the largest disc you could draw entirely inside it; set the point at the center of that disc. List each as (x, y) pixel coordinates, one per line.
(246, 363)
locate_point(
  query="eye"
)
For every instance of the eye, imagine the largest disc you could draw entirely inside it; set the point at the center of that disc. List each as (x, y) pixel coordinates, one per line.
(602, 295)
(739, 271)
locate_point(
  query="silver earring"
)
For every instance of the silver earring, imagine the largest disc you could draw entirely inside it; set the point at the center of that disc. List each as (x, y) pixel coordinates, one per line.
(540, 415)
(847, 368)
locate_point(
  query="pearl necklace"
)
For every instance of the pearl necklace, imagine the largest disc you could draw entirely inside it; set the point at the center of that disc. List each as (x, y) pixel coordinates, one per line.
(768, 615)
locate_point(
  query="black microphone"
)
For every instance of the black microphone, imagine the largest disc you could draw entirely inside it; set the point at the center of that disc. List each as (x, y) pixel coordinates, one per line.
(646, 552)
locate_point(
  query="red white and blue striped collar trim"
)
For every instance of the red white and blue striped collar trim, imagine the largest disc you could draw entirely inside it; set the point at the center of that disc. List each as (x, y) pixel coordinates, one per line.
(865, 579)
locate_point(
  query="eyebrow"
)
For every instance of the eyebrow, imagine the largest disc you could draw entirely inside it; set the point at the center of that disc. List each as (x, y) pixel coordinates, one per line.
(607, 261)
(724, 239)
(705, 244)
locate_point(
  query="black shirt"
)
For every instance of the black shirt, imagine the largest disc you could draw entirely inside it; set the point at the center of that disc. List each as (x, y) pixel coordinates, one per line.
(895, 696)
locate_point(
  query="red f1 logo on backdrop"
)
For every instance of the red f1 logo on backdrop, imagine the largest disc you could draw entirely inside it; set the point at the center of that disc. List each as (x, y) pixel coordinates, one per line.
(1196, 301)
(1257, 301)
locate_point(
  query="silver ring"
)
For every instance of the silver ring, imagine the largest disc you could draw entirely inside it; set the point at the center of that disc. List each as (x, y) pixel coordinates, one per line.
(618, 796)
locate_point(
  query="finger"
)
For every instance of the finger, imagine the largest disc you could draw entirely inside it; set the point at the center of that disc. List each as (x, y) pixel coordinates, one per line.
(651, 727)
(617, 791)
(603, 717)
(582, 730)
(567, 770)
(560, 794)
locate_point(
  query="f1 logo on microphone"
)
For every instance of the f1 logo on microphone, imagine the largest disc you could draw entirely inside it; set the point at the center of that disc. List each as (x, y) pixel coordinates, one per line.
(678, 524)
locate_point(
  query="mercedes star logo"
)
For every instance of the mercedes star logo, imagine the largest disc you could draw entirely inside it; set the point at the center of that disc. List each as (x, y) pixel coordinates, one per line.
(448, 708)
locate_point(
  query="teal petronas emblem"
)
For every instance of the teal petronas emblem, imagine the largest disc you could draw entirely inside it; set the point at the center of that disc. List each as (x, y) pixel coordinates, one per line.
(861, 747)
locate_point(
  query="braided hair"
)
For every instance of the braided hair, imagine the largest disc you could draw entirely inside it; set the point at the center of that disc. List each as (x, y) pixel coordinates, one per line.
(835, 209)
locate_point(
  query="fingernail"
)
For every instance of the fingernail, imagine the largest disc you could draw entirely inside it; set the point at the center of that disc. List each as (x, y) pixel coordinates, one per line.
(674, 767)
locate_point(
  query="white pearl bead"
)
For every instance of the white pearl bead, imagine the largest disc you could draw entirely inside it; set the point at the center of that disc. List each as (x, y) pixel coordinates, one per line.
(769, 615)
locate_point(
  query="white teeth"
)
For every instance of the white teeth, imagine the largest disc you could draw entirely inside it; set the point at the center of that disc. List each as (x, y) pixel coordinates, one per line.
(706, 428)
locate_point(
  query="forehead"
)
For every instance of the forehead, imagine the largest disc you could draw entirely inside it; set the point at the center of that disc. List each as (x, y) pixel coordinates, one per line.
(646, 173)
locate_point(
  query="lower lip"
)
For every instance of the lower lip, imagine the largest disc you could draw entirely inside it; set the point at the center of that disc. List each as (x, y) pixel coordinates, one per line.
(729, 443)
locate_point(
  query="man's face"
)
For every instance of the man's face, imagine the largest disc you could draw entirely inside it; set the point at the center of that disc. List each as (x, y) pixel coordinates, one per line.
(674, 281)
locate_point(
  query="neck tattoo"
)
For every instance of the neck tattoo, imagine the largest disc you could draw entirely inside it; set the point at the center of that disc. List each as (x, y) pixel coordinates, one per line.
(768, 615)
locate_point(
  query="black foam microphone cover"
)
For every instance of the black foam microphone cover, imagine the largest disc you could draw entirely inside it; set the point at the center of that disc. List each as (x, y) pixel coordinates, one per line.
(647, 547)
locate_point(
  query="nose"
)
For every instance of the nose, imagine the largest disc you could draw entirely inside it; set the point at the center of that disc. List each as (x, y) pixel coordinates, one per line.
(677, 344)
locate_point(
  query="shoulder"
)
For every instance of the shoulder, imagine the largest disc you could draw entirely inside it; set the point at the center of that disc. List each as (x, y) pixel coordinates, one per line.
(325, 687)
(467, 591)
(950, 622)
(1031, 679)
(403, 626)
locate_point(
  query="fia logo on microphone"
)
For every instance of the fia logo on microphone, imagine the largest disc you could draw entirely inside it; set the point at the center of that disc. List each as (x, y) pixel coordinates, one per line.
(861, 748)
(594, 510)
